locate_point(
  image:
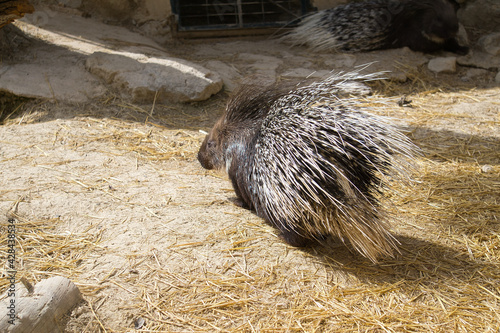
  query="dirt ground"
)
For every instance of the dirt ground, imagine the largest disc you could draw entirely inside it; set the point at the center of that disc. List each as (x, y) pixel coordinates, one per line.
(110, 195)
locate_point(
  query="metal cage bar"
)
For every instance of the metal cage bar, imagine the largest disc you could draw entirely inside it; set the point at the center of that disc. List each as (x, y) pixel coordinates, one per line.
(192, 15)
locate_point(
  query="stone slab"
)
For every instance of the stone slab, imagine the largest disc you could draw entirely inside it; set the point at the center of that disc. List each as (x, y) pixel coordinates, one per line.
(443, 65)
(63, 81)
(81, 59)
(148, 79)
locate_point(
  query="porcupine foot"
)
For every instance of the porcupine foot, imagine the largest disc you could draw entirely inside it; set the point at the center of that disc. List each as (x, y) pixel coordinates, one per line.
(240, 203)
(294, 239)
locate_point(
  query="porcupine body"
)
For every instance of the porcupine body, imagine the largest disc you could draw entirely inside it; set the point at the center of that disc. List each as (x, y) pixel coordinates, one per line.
(422, 25)
(310, 160)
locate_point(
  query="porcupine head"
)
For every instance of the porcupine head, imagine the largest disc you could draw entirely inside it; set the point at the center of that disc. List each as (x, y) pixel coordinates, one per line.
(231, 141)
(429, 25)
(442, 22)
(231, 144)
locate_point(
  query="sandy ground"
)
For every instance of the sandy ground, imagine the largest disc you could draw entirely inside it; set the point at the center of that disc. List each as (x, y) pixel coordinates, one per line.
(124, 179)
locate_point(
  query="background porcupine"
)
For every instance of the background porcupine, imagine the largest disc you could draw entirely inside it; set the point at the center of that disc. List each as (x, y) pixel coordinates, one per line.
(422, 25)
(310, 159)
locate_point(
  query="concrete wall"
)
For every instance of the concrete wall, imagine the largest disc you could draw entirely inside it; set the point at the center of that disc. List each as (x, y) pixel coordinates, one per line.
(127, 10)
(158, 9)
(325, 4)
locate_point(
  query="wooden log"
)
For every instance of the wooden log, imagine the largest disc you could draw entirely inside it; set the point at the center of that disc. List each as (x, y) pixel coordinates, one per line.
(40, 310)
(11, 10)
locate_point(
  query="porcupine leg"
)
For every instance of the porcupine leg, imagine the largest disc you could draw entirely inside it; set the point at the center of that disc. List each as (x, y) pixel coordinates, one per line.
(288, 235)
(238, 201)
(294, 239)
(241, 200)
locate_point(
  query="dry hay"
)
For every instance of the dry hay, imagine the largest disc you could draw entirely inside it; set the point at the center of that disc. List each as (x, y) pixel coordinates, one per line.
(43, 251)
(444, 280)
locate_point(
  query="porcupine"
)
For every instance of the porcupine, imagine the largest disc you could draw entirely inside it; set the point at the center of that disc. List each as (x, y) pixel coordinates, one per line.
(422, 25)
(310, 160)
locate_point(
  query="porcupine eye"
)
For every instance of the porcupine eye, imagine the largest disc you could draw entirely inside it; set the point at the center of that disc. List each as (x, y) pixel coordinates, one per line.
(211, 144)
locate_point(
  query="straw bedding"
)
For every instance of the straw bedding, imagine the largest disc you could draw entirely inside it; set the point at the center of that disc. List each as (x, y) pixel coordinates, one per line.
(237, 276)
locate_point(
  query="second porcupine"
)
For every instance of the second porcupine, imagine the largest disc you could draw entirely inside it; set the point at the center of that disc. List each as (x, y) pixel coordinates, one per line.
(422, 25)
(310, 160)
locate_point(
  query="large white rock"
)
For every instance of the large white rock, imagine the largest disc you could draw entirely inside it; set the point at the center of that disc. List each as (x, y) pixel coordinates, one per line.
(143, 78)
(62, 81)
(81, 58)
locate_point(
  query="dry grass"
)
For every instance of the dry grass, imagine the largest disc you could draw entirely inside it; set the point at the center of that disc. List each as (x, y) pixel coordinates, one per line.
(446, 278)
(42, 251)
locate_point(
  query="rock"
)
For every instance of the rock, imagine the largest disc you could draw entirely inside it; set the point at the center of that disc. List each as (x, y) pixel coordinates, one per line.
(497, 78)
(340, 60)
(84, 35)
(142, 79)
(62, 81)
(229, 74)
(473, 73)
(479, 59)
(482, 14)
(73, 69)
(159, 31)
(396, 62)
(263, 68)
(443, 65)
(490, 43)
(306, 73)
(462, 37)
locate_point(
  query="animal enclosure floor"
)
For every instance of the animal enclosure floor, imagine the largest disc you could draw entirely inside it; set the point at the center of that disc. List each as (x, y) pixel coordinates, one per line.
(110, 195)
